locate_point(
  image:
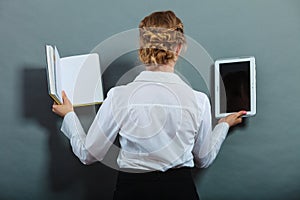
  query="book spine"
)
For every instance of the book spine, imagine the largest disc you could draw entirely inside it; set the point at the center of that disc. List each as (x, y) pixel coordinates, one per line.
(55, 99)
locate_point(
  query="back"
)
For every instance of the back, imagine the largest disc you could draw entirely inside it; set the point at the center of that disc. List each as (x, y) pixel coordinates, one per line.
(158, 116)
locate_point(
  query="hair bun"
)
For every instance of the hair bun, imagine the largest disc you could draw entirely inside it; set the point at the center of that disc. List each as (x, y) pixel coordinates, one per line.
(160, 35)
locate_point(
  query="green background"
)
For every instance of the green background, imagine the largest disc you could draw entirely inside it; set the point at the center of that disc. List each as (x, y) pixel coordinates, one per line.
(259, 160)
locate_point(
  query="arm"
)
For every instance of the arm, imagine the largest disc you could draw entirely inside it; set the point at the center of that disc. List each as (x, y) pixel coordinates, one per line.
(92, 146)
(208, 142)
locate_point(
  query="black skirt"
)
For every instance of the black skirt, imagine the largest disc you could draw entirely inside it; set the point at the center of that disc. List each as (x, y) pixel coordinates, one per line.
(174, 184)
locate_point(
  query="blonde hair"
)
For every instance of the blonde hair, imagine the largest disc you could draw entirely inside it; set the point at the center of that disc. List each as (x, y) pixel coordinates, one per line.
(160, 35)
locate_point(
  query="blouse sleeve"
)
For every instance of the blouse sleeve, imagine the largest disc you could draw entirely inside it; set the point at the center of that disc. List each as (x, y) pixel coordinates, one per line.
(208, 142)
(93, 146)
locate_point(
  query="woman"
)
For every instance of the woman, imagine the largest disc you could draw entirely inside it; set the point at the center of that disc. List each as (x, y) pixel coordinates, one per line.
(164, 126)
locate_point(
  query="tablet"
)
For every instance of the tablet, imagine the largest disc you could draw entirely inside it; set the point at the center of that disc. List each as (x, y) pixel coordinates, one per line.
(235, 86)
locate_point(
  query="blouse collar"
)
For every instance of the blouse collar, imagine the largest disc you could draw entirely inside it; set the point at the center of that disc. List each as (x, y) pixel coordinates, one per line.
(158, 76)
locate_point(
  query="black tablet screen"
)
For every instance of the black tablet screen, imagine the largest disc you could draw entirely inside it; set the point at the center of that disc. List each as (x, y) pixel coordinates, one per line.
(235, 87)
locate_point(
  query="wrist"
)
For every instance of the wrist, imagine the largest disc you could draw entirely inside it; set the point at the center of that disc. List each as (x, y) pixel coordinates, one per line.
(223, 120)
(68, 112)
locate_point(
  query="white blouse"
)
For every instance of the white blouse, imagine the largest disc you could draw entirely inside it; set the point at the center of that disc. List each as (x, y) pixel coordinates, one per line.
(162, 123)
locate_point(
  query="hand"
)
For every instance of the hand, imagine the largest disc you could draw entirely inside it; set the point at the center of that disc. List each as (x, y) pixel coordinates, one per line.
(64, 108)
(233, 119)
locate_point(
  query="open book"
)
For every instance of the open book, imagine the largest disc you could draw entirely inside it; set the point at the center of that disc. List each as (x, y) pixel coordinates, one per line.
(79, 76)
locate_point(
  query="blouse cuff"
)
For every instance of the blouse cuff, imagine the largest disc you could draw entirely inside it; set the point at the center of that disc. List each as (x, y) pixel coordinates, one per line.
(222, 128)
(68, 123)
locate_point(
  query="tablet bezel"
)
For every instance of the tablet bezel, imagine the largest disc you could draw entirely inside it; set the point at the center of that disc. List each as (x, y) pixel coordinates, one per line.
(251, 59)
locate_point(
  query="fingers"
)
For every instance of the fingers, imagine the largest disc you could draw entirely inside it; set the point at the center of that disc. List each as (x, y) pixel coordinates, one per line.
(64, 108)
(234, 119)
(54, 106)
(239, 118)
(241, 113)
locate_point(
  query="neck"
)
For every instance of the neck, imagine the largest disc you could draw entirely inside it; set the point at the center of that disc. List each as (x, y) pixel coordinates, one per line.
(160, 68)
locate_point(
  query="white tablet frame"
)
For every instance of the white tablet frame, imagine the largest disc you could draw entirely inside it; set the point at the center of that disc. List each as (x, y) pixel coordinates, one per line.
(251, 59)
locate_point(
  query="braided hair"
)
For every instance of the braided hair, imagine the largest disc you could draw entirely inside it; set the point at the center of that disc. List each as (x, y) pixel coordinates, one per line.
(160, 34)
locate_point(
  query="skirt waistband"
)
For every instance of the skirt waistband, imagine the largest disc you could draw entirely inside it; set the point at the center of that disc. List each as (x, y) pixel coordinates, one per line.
(174, 173)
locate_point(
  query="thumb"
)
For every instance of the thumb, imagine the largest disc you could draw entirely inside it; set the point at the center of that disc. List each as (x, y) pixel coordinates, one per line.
(64, 97)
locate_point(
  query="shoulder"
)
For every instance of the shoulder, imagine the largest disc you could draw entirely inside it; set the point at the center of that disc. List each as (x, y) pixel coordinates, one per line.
(119, 95)
(202, 99)
(115, 91)
(201, 95)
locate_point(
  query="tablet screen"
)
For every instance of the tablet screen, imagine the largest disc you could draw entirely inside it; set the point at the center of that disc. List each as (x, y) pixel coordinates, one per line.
(235, 81)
